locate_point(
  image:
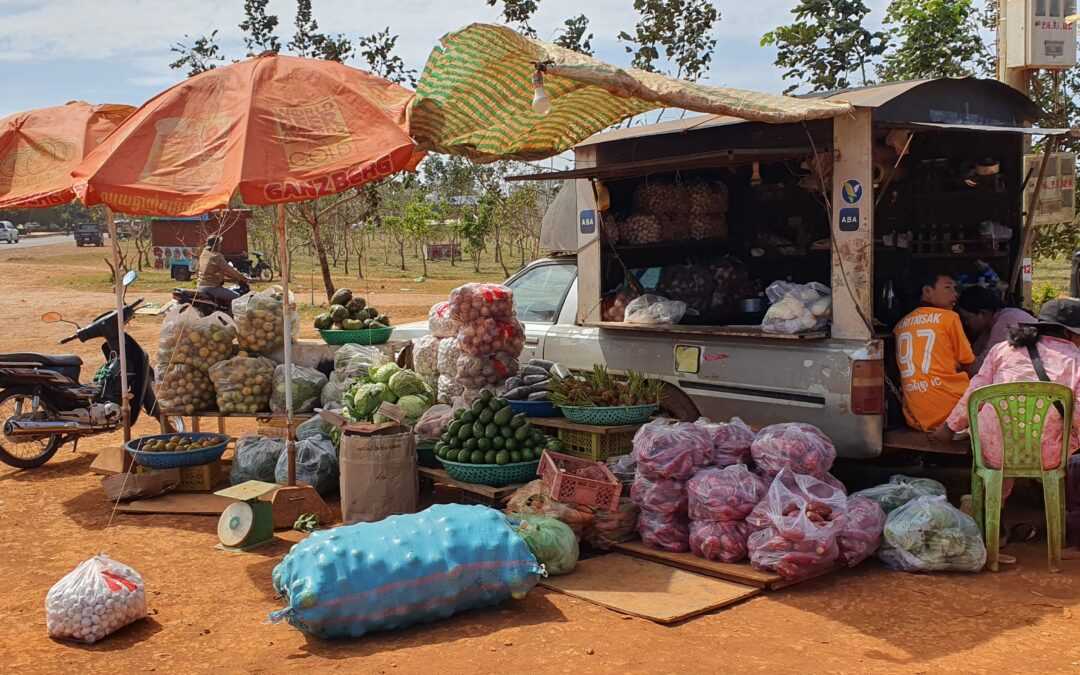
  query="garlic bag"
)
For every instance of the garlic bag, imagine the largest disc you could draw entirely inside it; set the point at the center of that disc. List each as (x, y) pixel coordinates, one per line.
(95, 599)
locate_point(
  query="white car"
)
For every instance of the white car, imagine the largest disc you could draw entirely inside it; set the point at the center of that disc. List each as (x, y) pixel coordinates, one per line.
(8, 232)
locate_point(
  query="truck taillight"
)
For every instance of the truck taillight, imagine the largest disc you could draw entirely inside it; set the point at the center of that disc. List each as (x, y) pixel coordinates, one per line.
(868, 387)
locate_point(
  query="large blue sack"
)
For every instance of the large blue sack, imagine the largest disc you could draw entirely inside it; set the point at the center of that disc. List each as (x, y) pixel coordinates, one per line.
(407, 569)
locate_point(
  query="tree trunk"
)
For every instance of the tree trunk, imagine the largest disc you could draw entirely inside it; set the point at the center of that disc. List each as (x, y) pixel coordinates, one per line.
(401, 253)
(423, 259)
(498, 245)
(453, 248)
(320, 251)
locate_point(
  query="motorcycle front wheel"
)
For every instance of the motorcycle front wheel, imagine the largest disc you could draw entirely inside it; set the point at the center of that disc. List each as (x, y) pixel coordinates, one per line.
(24, 453)
(265, 274)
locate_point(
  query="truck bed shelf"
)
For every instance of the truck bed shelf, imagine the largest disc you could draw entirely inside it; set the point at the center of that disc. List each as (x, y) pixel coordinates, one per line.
(715, 331)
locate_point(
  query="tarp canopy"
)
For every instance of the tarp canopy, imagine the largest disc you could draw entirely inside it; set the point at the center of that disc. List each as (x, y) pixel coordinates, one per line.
(558, 230)
(39, 148)
(475, 97)
(274, 129)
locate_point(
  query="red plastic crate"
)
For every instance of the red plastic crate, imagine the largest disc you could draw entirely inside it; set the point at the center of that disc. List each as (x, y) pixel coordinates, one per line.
(560, 483)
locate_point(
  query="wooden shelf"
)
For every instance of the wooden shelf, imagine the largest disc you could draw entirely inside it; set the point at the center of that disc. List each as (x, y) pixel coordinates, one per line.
(710, 331)
(563, 423)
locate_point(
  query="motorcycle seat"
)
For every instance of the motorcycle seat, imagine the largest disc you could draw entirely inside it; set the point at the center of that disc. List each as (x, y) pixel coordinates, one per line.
(47, 360)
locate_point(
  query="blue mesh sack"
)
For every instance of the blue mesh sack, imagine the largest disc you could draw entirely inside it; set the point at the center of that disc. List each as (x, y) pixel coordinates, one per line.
(408, 569)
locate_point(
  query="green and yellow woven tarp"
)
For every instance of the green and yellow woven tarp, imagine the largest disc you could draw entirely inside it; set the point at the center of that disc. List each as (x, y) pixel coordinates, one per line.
(475, 97)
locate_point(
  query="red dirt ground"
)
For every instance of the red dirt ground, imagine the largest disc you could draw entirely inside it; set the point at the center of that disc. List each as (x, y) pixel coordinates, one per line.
(209, 608)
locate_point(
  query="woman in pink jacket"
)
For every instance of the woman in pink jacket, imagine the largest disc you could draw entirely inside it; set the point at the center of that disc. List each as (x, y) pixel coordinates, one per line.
(1056, 338)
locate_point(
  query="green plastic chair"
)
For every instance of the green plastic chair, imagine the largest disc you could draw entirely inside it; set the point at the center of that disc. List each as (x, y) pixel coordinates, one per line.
(1021, 409)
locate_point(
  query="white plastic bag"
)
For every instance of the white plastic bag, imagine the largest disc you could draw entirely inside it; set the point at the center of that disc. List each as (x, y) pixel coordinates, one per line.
(797, 307)
(426, 355)
(97, 598)
(439, 322)
(654, 309)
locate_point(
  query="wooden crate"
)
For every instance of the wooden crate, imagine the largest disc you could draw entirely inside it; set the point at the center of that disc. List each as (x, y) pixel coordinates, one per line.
(201, 478)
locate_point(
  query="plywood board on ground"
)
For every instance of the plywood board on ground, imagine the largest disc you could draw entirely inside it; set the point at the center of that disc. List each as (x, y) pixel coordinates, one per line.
(742, 573)
(180, 503)
(647, 589)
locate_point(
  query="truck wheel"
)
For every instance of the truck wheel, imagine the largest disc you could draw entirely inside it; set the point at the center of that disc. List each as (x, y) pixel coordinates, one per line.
(677, 405)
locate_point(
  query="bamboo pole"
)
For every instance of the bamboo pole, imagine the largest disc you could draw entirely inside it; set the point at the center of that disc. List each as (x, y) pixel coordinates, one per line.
(286, 315)
(125, 395)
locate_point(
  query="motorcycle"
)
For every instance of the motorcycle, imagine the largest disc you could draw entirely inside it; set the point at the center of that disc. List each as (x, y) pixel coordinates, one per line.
(206, 304)
(261, 269)
(43, 405)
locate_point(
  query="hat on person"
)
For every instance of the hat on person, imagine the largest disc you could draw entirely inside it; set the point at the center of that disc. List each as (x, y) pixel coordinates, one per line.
(1063, 312)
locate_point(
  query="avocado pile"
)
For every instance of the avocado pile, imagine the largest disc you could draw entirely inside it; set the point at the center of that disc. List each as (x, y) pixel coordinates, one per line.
(488, 432)
(349, 312)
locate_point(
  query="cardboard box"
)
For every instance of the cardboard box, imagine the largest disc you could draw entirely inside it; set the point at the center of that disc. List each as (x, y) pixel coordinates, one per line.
(201, 478)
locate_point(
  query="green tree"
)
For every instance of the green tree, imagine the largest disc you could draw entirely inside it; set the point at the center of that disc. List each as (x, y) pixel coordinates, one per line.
(826, 44)
(377, 50)
(933, 38)
(197, 56)
(418, 221)
(678, 31)
(575, 35)
(259, 28)
(308, 41)
(518, 12)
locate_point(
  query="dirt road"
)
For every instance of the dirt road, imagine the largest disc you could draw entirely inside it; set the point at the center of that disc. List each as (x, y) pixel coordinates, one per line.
(209, 608)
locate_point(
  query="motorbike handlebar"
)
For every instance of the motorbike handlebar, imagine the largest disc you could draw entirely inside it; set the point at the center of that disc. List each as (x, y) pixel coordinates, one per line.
(68, 339)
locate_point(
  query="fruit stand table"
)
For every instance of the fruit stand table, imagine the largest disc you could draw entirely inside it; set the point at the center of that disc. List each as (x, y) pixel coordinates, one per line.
(482, 494)
(262, 418)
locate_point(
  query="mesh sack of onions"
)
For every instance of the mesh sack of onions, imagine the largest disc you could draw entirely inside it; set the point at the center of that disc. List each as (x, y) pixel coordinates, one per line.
(440, 323)
(96, 598)
(426, 355)
(640, 228)
(449, 351)
(703, 197)
(475, 301)
(477, 372)
(492, 336)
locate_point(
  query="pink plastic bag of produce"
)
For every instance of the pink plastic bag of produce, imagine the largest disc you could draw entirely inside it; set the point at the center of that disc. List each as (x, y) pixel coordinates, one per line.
(835, 482)
(666, 450)
(439, 322)
(724, 494)
(488, 336)
(861, 535)
(723, 541)
(802, 448)
(665, 532)
(660, 495)
(797, 525)
(475, 301)
(731, 440)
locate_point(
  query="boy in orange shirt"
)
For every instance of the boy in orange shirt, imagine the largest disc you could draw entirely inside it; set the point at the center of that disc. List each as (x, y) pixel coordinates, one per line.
(931, 351)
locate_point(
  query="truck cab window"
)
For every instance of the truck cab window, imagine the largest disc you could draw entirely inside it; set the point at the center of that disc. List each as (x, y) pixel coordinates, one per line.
(539, 292)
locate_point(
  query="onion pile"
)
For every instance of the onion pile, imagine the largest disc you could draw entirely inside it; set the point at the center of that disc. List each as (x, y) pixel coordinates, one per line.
(449, 351)
(475, 301)
(259, 318)
(185, 389)
(243, 384)
(640, 228)
(477, 372)
(492, 336)
(95, 599)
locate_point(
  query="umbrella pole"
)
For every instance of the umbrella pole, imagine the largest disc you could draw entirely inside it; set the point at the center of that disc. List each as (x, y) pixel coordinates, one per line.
(125, 397)
(286, 313)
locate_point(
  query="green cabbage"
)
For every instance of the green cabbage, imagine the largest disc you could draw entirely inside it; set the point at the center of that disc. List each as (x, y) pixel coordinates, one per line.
(413, 406)
(366, 399)
(406, 382)
(384, 372)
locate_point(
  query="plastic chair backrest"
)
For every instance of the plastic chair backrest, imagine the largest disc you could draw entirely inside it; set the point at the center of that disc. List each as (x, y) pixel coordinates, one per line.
(1021, 409)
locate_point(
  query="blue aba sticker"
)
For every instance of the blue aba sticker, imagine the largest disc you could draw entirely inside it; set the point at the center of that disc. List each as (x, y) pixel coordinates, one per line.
(849, 220)
(587, 221)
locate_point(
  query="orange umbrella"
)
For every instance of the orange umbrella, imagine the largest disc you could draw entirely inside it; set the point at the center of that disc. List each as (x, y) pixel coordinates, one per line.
(275, 128)
(39, 149)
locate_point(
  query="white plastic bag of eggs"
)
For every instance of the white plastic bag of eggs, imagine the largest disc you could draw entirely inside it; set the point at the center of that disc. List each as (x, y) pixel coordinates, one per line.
(95, 599)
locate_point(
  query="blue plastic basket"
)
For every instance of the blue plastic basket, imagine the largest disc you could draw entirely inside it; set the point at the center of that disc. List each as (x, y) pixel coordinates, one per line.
(609, 416)
(535, 408)
(176, 460)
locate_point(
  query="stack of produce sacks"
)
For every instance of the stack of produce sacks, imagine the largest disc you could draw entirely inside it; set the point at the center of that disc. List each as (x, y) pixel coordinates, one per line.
(448, 386)
(489, 335)
(731, 441)
(708, 207)
(259, 320)
(667, 455)
(668, 204)
(243, 384)
(798, 447)
(188, 346)
(719, 501)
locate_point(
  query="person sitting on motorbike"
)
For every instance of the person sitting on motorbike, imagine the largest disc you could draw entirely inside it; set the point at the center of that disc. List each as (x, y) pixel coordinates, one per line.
(214, 270)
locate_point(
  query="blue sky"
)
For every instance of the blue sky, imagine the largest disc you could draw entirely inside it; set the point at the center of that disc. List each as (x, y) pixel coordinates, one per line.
(117, 51)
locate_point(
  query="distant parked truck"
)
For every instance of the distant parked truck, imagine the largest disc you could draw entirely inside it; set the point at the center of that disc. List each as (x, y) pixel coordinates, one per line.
(442, 251)
(88, 234)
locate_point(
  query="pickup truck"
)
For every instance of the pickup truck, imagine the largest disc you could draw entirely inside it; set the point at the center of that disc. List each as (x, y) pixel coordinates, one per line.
(8, 232)
(806, 382)
(88, 234)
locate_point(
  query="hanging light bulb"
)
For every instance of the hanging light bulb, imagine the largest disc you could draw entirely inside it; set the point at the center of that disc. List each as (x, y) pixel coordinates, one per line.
(541, 105)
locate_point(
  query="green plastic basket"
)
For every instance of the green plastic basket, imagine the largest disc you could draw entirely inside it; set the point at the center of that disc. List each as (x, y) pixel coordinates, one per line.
(368, 336)
(612, 416)
(495, 475)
